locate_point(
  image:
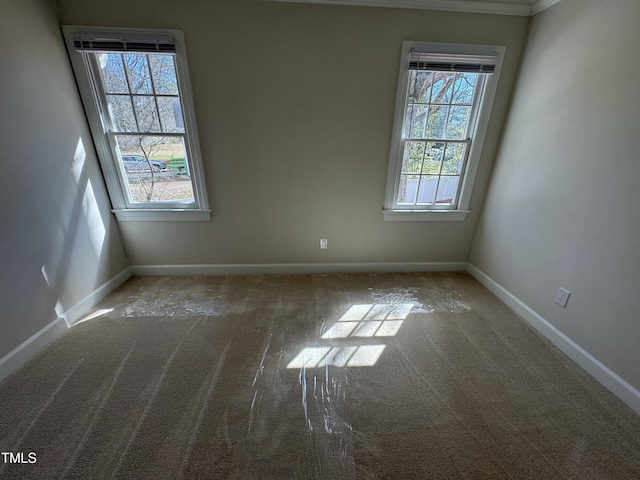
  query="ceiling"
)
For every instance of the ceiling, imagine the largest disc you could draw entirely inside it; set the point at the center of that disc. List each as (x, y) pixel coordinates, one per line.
(500, 7)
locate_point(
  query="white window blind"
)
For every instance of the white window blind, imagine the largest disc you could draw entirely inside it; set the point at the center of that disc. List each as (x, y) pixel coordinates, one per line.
(446, 62)
(124, 43)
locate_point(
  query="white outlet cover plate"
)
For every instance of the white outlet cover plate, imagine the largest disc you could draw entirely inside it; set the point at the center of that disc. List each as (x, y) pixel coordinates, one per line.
(562, 297)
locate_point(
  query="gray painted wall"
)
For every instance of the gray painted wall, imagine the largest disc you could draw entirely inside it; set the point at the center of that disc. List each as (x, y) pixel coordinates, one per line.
(59, 240)
(562, 207)
(295, 107)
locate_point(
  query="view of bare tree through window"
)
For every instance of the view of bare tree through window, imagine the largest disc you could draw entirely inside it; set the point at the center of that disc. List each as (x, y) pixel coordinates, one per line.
(435, 136)
(147, 125)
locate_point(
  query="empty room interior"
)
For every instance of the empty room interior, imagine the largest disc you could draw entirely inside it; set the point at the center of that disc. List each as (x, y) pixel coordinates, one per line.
(320, 239)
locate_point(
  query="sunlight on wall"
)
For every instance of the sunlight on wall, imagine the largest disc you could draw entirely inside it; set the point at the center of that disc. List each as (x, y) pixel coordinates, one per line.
(80, 237)
(95, 222)
(59, 308)
(45, 274)
(78, 161)
(359, 322)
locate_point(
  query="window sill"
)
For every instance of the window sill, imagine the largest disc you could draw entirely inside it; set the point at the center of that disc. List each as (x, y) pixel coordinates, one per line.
(157, 215)
(424, 216)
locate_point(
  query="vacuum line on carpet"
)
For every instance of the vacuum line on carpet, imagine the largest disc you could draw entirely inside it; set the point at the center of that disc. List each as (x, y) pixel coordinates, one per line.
(418, 375)
(96, 415)
(203, 409)
(147, 407)
(16, 447)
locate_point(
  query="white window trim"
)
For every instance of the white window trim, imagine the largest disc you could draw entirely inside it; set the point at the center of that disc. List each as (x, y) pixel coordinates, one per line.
(413, 213)
(157, 211)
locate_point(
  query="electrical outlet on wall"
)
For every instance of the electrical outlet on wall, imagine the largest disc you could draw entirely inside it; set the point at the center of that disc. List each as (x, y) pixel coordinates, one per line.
(324, 243)
(562, 297)
(128, 251)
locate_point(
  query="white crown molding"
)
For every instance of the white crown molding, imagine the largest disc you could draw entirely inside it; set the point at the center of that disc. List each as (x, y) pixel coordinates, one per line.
(541, 5)
(465, 6)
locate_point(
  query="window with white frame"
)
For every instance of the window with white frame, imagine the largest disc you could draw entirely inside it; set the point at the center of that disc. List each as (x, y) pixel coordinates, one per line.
(136, 92)
(444, 99)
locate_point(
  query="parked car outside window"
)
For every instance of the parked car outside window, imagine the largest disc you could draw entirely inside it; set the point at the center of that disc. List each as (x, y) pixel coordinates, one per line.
(138, 162)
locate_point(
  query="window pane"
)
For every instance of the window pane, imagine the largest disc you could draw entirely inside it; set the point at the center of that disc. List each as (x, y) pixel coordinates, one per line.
(427, 189)
(164, 74)
(138, 71)
(112, 71)
(463, 89)
(408, 189)
(416, 119)
(413, 155)
(436, 122)
(453, 158)
(442, 87)
(156, 168)
(147, 114)
(457, 124)
(433, 159)
(170, 112)
(121, 112)
(447, 189)
(420, 85)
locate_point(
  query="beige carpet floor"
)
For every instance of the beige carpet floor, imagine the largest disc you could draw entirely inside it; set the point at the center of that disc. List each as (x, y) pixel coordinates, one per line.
(389, 376)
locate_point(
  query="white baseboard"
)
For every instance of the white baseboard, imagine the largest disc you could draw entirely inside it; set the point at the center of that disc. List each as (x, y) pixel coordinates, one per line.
(47, 335)
(28, 349)
(603, 374)
(80, 309)
(293, 268)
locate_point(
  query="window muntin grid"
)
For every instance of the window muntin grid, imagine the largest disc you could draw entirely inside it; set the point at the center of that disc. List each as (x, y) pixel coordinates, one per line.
(186, 167)
(144, 118)
(435, 136)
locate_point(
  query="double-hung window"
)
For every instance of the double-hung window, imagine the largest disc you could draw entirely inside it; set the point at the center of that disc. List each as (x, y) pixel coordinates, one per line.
(444, 99)
(136, 92)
